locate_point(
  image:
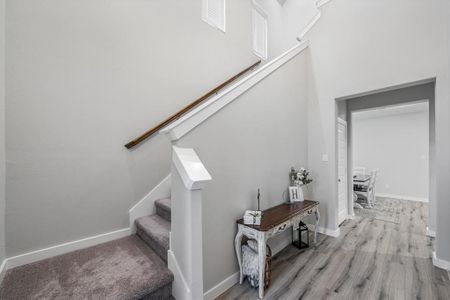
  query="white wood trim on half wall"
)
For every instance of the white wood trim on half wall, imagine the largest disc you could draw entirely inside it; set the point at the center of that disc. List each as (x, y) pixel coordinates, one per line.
(2, 270)
(41, 254)
(313, 21)
(146, 206)
(180, 289)
(195, 117)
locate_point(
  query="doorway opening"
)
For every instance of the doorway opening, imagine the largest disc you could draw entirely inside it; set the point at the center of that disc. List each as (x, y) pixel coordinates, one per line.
(385, 150)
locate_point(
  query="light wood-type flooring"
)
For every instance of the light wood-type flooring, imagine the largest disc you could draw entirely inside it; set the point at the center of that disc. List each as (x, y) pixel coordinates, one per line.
(383, 254)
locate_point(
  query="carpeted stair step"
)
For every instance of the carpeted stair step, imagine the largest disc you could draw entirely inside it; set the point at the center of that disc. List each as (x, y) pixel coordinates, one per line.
(154, 230)
(123, 269)
(163, 208)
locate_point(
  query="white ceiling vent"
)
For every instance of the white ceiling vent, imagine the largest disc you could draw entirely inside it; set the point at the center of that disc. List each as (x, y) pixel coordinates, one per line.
(213, 13)
(259, 25)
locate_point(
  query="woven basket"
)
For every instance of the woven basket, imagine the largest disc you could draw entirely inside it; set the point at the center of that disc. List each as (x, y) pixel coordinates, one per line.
(268, 268)
(268, 275)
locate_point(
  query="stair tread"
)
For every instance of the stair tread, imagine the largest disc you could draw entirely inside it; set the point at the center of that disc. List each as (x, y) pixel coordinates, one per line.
(122, 269)
(165, 203)
(157, 228)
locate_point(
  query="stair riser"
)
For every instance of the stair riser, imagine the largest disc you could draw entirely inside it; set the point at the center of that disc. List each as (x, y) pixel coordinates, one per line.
(163, 212)
(164, 292)
(154, 244)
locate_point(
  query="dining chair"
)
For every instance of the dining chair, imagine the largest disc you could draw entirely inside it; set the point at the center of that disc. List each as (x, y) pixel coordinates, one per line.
(373, 175)
(368, 191)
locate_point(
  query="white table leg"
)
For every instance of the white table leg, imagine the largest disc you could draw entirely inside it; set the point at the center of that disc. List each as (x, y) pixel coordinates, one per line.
(261, 262)
(238, 247)
(317, 213)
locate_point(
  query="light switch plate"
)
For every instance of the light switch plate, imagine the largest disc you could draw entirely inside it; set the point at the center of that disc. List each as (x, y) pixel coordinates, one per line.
(324, 157)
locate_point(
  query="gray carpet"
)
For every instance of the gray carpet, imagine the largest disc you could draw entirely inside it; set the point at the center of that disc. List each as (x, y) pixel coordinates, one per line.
(122, 269)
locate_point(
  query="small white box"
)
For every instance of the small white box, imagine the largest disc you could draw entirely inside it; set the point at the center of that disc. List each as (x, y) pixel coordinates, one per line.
(252, 217)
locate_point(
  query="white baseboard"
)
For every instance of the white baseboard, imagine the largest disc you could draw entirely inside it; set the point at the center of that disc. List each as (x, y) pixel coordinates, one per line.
(146, 206)
(180, 288)
(327, 231)
(401, 197)
(280, 244)
(41, 254)
(2, 270)
(430, 233)
(222, 287)
(440, 263)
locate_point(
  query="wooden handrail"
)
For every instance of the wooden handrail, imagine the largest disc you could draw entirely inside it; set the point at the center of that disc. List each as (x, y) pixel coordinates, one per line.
(186, 109)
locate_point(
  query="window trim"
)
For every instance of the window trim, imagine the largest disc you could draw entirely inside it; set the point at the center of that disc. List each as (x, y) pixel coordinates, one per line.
(256, 8)
(212, 22)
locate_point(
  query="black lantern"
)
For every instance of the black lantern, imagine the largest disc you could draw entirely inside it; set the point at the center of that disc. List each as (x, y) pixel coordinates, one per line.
(302, 233)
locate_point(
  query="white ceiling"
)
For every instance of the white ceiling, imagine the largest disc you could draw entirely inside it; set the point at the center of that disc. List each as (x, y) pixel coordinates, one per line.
(391, 110)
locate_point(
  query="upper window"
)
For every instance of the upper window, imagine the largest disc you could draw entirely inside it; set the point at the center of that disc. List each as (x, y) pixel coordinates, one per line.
(213, 13)
(259, 25)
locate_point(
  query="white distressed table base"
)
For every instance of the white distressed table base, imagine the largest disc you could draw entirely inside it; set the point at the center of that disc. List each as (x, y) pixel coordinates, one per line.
(262, 236)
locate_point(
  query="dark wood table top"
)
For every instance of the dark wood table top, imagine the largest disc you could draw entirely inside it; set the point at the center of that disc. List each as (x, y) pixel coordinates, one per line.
(278, 214)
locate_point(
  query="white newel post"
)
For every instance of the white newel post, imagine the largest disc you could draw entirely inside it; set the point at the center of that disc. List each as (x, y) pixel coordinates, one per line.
(189, 177)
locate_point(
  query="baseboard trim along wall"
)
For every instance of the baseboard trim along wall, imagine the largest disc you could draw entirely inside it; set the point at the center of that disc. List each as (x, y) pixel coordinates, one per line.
(401, 197)
(222, 287)
(2, 270)
(430, 233)
(180, 288)
(327, 231)
(440, 263)
(41, 254)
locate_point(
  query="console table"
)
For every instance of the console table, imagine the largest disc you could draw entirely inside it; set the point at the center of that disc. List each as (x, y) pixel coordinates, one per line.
(274, 221)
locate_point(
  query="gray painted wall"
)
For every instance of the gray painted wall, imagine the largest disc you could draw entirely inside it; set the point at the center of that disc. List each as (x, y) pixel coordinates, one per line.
(396, 145)
(286, 20)
(250, 144)
(443, 209)
(353, 52)
(2, 130)
(85, 77)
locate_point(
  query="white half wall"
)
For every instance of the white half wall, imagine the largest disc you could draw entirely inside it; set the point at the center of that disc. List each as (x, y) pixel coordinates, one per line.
(250, 144)
(397, 145)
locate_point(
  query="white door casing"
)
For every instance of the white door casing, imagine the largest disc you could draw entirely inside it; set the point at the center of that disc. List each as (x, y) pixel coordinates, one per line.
(342, 171)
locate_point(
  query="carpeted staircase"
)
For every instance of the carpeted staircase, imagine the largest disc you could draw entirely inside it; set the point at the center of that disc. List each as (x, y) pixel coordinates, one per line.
(134, 267)
(154, 229)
